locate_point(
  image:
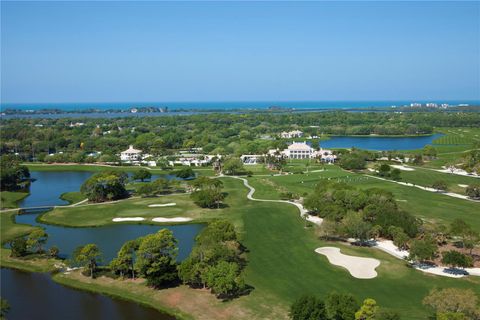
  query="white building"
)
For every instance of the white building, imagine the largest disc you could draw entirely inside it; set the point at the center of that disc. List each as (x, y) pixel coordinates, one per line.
(131, 154)
(301, 150)
(249, 159)
(193, 160)
(291, 134)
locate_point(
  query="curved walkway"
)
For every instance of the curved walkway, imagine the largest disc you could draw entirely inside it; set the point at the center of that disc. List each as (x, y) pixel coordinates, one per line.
(407, 184)
(303, 213)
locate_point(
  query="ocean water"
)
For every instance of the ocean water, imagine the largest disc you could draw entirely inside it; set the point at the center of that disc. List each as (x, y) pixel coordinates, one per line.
(225, 105)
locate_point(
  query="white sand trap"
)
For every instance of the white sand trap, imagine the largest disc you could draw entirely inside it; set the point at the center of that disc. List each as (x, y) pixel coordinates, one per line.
(359, 267)
(463, 185)
(403, 168)
(176, 219)
(162, 205)
(128, 219)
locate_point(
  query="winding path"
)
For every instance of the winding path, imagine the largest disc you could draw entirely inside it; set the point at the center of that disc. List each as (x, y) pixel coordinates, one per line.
(303, 213)
(407, 184)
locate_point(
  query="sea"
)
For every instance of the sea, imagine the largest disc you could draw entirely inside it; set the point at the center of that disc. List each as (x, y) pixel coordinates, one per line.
(124, 109)
(229, 105)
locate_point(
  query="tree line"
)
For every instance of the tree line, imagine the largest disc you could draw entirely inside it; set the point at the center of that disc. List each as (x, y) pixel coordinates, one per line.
(216, 133)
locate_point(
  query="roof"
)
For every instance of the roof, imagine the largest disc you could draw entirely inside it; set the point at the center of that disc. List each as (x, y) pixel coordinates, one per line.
(131, 149)
(299, 146)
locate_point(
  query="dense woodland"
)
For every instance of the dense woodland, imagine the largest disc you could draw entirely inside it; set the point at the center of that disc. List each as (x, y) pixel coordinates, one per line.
(215, 133)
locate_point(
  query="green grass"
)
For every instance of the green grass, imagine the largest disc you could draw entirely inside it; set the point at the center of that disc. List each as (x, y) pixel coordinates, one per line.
(101, 214)
(9, 229)
(97, 168)
(11, 199)
(424, 204)
(462, 136)
(426, 177)
(282, 264)
(72, 197)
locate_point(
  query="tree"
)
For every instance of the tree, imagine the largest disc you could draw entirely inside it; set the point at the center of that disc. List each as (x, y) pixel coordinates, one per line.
(429, 151)
(208, 192)
(224, 279)
(124, 263)
(53, 251)
(456, 259)
(355, 227)
(156, 258)
(440, 185)
(400, 238)
(87, 256)
(18, 247)
(352, 161)
(387, 315)
(453, 301)
(141, 174)
(341, 306)
(106, 185)
(13, 176)
(36, 240)
(4, 308)
(395, 174)
(473, 191)
(308, 308)
(146, 190)
(384, 170)
(233, 166)
(185, 173)
(368, 310)
(423, 249)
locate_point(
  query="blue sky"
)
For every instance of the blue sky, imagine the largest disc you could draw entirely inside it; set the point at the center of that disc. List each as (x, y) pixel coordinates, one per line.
(232, 51)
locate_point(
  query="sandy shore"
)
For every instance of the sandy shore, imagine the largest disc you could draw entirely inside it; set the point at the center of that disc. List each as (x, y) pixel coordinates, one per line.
(359, 267)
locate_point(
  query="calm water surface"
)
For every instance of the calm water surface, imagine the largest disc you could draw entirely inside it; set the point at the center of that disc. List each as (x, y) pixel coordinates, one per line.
(379, 143)
(110, 238)
(49, 186)
(35, 296)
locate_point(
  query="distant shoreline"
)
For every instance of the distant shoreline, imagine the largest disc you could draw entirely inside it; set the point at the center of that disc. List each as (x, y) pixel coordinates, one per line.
(55, 113)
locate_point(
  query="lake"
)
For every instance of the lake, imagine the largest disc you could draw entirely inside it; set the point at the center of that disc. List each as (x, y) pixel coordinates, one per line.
(379, 143)
(110, 238)
(37, 296)
(49, 186)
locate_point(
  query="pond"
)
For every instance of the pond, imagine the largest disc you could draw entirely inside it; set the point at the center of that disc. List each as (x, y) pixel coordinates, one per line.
(48, 186)
(379, 143)
(109, 238)
(37, 296)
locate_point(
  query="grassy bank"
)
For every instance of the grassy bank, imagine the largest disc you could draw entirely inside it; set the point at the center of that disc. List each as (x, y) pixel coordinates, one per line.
(11, 199)
(282, 264)
(90, 215)
(135, 291)
(97, 168)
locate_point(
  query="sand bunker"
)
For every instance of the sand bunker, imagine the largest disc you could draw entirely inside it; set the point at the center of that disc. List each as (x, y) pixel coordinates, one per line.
(128, 219)
(359, 267)
(462, 185)
(162, 205)
(403, 168)
(175, 219)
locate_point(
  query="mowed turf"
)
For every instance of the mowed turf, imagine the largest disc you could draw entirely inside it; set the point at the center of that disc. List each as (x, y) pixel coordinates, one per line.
(11, 199)
(282, 265)
(424, 204)
(100, 214)
(426, 177)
